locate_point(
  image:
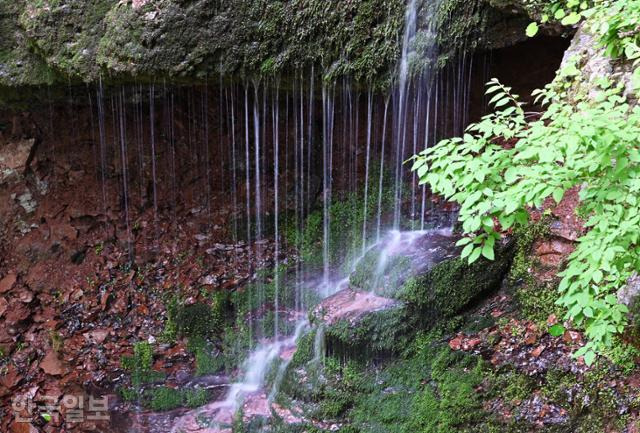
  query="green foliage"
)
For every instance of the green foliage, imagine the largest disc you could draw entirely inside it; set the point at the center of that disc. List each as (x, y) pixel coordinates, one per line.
(139, 365)
(593, 145)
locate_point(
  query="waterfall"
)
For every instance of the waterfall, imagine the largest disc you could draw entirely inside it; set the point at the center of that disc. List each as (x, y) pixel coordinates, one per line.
(294, 150)
(276, 207)
(409, 99)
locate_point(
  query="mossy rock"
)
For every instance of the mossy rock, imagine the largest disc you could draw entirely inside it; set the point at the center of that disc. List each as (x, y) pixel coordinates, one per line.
(195, 320)
(368, 277)
(374, 334)
(384, 272)
(451, 286)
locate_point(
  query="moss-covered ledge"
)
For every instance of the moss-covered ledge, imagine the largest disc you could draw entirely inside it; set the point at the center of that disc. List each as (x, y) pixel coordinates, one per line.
(49, 41)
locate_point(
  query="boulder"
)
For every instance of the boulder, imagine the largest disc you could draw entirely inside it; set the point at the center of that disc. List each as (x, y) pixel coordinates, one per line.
(364, 320)
(452, 285)
(398, 257)
(410, 281)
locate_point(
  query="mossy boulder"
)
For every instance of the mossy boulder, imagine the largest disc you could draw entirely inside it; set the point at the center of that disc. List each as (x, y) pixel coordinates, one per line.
(452, 285)
(398, 257)
(382, 319)
(361, 323)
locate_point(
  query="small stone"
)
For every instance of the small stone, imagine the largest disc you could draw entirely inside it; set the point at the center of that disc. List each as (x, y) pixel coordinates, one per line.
(51, 364)
(7, 282)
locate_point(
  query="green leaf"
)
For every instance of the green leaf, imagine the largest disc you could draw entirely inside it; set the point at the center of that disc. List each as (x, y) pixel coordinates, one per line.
(466, 251)
(487, 251)
(558, 193)
(556, 330)
(532, 29)
(589, 357)
(597, 276)
(475, 255)
(571, 19)
(463, 241)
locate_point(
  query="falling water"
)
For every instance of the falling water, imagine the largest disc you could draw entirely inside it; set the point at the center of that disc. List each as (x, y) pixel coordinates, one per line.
(366, 176)
(276, 206)
(152, 133)
(327, 163)
(256, 148)
(125, 180)
(381, 174)
(103, 143)
(270, 125)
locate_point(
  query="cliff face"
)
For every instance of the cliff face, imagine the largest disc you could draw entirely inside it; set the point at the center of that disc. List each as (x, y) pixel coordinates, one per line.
(48, 41)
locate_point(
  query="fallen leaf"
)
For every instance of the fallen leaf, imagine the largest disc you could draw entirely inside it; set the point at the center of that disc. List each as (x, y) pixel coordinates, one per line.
(538, 351)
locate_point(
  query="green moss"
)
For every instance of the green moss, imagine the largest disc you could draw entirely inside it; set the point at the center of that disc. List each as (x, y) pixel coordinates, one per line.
(433, 390)
(142, 358)
(385, 282)
(165, 398)
(139, 365)
(512, 386)
(451, 285)
(128, 394)
(623, 355)
(207, 356)
(196, 320)
(377, 332)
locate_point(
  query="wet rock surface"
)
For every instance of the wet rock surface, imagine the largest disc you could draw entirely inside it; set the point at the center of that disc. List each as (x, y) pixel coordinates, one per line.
(351, 306)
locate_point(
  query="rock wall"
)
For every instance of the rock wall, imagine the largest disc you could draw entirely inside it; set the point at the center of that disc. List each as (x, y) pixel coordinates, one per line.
(51, 41)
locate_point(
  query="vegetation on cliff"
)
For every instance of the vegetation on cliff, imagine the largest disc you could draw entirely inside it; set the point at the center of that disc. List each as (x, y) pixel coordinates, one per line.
(506, 165)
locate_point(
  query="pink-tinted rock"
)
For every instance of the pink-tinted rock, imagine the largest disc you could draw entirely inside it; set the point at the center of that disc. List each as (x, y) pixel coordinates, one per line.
(351, 305)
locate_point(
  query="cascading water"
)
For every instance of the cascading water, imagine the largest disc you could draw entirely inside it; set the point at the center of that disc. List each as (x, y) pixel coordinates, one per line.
(286, 155)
